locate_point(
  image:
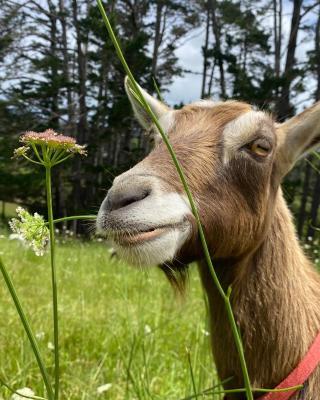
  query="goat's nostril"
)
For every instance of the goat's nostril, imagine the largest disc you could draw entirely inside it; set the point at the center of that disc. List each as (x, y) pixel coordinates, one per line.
(131, 199)
(121, 199)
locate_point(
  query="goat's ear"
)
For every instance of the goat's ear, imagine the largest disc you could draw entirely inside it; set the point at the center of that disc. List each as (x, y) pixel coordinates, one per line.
(142, 116)
(297, 137)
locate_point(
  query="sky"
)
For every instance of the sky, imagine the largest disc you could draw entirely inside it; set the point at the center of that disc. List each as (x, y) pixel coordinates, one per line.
(188, 87)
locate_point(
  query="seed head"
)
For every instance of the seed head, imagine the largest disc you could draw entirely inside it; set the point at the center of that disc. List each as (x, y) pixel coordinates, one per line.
(53, 140)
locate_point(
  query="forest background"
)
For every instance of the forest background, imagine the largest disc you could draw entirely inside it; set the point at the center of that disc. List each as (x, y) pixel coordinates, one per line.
(58, 70)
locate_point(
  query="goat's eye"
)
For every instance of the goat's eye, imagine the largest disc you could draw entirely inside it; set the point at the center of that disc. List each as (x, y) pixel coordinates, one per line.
(260, 147)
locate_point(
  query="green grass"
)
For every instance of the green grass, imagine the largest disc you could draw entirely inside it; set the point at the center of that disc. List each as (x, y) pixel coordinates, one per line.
(119, 325)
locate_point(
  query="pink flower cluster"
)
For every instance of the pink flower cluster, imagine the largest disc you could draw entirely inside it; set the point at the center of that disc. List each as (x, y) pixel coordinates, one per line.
(54, 140)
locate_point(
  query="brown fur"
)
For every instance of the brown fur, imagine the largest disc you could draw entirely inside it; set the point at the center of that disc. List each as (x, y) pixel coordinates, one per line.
(252, 242)
(277, 306)
(276, 292)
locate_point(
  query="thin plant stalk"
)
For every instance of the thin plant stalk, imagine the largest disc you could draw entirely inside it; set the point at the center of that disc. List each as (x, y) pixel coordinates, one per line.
(192, 374)
(54, 285)
(225, 297)
(157, 89)
(28, 330)
(50, 149)
(74, 218)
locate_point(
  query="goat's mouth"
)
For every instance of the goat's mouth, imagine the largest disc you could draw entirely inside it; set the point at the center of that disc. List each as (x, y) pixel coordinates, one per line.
(144, 244)
(130, 238)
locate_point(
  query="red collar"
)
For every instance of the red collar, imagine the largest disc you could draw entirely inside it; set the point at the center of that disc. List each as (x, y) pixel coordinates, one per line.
(299, 375)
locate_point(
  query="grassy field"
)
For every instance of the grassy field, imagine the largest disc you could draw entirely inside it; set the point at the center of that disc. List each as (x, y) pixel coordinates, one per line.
(119, 325)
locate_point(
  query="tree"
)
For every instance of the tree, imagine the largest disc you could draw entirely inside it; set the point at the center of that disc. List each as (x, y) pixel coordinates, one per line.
(283, 107)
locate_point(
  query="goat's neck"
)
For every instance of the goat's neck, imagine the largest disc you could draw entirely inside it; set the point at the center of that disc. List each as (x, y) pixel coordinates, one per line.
(275, 298)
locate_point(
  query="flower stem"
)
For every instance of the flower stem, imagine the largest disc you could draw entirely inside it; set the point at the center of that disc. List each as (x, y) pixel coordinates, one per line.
(73, 218)
(30, 160)
(195, 212)
(54, 284)
(28, 330)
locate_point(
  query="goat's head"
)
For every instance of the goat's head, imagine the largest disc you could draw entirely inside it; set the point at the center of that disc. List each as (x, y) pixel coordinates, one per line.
(234, 158)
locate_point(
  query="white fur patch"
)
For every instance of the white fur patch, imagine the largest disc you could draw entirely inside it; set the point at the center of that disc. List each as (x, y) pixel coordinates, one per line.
(158, 251)
(160, 209)
(237, 133)
(207, 103)
(156, 210)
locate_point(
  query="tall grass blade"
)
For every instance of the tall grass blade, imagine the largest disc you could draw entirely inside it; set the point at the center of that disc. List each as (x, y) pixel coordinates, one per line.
(28, 330)
(226, 298)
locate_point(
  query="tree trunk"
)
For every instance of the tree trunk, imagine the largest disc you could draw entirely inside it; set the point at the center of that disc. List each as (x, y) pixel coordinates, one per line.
(79, 196)
(317, 52)
(66, 68)
(283, 107)
(82, 75)
(217, 37)
(277, 33)
(211, 78)
(205, 54)
(157, 38)
(3, 210)
(54, 120)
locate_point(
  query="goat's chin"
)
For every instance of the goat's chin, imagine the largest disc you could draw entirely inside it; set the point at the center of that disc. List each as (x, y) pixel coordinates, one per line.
(157, 248)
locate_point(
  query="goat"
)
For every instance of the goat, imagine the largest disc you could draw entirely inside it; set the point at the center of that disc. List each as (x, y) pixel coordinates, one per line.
(234, 158)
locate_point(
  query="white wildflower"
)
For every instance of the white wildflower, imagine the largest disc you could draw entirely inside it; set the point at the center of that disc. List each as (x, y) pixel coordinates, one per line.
(40, 335)
(205, 332)
(24, 391)
(50, 346)
(16, 236)
(31, 230)
(147, 329)
(104, 388)
(307, 246)
(309, 238)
